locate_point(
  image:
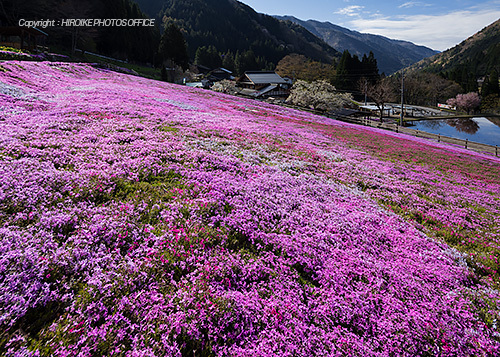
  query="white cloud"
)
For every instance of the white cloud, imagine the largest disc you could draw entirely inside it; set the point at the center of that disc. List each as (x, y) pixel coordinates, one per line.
(352, 10)
(439, 32)
(412, 4)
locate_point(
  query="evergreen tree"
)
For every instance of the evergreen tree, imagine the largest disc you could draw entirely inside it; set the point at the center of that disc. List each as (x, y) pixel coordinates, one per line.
(173, 46)
(246, 62)
(350, 70)
(369, 68)
(490, 85)
(201, 56)
(208, 57)
(342, 77)
(215, 60)
(228, 61)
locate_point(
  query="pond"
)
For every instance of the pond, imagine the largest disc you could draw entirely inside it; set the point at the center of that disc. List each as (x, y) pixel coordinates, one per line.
(480, 129)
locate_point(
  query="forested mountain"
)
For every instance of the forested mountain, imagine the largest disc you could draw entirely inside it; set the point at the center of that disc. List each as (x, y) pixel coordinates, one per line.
(235, 29)
(391, 55)
(132, 43)
(472, 59)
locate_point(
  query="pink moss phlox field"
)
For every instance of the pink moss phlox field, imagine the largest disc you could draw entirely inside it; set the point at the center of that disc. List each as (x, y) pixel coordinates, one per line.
(140, 218)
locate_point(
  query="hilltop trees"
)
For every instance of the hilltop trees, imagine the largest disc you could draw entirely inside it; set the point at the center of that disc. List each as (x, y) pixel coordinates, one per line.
(422, 88)
(233, 26)
(238, 62)
(300, 67)
(350, 70)
(465, 75)
(136, 43)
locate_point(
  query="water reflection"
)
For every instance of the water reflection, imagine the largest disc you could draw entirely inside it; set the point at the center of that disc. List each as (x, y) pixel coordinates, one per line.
(494, 120)
(431, 124)
(482, 130)
(468, 126)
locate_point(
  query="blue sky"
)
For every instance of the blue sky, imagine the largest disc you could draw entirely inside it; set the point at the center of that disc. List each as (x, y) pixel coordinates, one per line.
(436, 24)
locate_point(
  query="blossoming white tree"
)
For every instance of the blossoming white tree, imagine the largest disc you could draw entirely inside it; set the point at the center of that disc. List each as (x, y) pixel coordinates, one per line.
(318, 95)
(225, 86)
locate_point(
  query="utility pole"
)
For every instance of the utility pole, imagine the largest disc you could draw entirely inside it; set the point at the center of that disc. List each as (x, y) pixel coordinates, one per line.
(366, 90)
(402, 95)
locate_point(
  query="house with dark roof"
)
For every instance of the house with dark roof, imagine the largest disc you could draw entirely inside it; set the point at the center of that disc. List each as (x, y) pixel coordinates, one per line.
(261, 84)
(220, 74)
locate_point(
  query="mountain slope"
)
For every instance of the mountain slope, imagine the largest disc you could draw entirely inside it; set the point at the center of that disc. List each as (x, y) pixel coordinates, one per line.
(478, 54)
(232, 26)
(391, 55)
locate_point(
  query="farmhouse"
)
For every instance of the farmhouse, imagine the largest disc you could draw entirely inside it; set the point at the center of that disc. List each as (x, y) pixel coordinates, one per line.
(263, 85)
(220, 74)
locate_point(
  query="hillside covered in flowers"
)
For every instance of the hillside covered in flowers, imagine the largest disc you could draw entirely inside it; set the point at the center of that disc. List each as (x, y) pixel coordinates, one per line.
(140, 218)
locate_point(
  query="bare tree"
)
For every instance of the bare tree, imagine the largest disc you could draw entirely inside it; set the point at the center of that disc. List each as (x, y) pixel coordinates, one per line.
(363, 87)
(381, 93)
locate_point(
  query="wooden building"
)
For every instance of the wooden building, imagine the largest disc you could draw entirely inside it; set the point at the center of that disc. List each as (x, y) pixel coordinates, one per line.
(260, 84)
(23, 38)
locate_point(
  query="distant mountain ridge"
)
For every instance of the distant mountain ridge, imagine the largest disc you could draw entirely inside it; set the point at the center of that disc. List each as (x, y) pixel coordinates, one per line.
(230, 25)
(392, 55)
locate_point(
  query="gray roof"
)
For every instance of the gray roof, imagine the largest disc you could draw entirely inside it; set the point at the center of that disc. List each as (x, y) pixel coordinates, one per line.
(265, 78)
(266, 90)
(247, 91)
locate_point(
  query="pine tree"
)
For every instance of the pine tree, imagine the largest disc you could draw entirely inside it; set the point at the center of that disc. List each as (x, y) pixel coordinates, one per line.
(490, 85)
(369, 68)
(228, 61)
(201, 56)
(173, 46)
(342, 77)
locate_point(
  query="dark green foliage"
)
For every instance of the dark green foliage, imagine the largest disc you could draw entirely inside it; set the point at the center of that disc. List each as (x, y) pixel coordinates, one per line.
(490, 85)
(247, 61)
(235, 27)
(465, 75)
(136, 43)
(342, 77)
(228, 61)
(350, 70)
(490, 103)
(208, 57)
(173, 46)
(369, 68)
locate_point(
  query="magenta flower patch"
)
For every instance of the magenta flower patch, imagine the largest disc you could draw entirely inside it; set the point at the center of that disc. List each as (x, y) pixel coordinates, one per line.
(140, 218)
